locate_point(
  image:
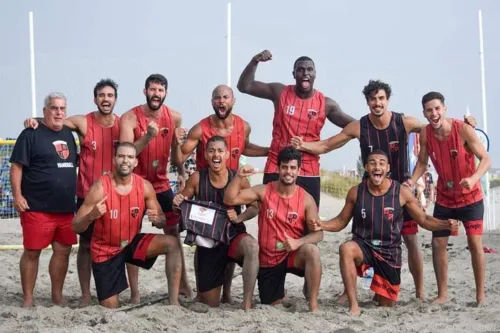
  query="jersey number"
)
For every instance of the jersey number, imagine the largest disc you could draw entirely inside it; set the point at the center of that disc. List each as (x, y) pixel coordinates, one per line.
(290, 109)
(363, 213)
(113, 214)
(371, 148)
(94, 145)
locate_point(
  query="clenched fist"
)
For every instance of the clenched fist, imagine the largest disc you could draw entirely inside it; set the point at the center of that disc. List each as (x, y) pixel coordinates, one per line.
(152, 129)
(247, 170)
(263, 56)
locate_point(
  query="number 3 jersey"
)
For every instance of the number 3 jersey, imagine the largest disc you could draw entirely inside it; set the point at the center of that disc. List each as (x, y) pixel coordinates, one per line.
(297, 117)
(378, 221)
(122, 220)
(97, 150)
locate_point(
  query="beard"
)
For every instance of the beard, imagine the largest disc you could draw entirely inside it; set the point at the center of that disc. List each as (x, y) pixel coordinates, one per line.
(225, 115)
(149, 101)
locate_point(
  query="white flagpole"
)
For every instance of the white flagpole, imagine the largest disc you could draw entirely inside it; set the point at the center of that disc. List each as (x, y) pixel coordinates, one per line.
(228, 37)
(483, 99)
(32, 61)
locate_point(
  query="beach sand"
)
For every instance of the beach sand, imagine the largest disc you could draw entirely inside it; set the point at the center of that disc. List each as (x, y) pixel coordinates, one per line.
(409, 315)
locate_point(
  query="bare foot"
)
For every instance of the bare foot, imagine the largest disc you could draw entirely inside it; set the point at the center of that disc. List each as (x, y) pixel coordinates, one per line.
(420, 296)
(354, 311)
(135, 298)
(342, 299)
(186, 292)
(246, 306)
(313, 306)
(440, 300)
(481, 301)
(227, 299)
(85, 300)
(28, 303)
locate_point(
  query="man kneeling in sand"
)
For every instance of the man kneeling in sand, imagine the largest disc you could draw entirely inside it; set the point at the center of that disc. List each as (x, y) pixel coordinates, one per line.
(377, 206)
(117, 202)
(284, 246)
(209, 184)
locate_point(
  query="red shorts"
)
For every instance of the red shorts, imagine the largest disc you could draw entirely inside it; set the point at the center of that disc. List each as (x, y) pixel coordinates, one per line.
(41, 229)
(410, 227)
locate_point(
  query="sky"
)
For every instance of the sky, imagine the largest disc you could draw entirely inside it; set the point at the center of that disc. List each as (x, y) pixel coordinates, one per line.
(414, 46)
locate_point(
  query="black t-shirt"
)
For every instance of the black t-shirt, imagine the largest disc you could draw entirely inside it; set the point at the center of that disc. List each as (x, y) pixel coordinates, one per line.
(49, 168)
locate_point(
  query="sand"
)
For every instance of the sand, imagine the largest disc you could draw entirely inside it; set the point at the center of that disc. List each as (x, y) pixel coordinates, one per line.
(459, 315)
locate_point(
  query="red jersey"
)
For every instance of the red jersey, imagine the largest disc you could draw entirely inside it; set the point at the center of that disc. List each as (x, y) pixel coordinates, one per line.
(153, 159)
(278, 216)
(453, 162)
(97, 150)
(235, 143)
(297, 117)
(122, 220)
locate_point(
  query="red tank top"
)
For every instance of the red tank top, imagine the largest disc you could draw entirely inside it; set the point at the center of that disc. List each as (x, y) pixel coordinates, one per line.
(278, 215)
(235, 142)
(122, 220)
(97, 150)
(153, 159)
(453, 162)
(297, 117)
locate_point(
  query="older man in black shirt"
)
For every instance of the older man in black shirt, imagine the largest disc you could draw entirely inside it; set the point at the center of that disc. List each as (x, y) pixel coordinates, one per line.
(43, 178)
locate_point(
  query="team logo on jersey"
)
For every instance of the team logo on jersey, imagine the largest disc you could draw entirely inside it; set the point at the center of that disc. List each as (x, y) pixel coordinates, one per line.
(235, 152)
(454, 153)
(449, 184)
(115, 144)
(61, 148)
(164, 131)
(311, 113)
(292, 217)
(394, 146)
(389, 213)
(270, 213)
(155, 163)
(134, 212)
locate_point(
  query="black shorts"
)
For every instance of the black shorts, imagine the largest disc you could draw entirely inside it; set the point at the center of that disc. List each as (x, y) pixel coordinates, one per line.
(312, 185)
(271, 280)
(166, 202)
(212, 263)
(109, 276)
(86, 235)
(386, 278)
(470, 215)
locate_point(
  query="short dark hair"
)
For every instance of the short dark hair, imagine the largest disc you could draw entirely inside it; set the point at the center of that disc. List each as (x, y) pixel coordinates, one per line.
(288, 154)
(374, 86)
(106, 83)
(430, 96)
(217, 138)
(302, 58)
(127, 145)
(156, 78)
(377, 152)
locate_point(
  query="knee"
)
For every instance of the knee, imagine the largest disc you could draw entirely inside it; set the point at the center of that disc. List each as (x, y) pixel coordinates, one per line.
(475, 244)
(311, 252)
(171, 243)
(346, 250)
(439, 243)
(62, 251)
(251, 248)
(32, 254)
